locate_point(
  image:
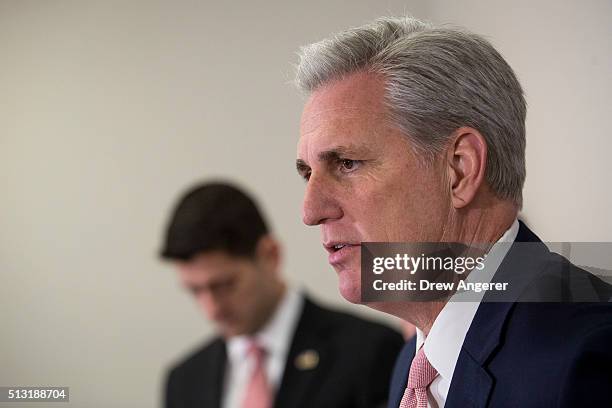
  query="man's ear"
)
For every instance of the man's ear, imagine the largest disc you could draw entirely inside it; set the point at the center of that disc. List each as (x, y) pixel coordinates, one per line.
(466, 162)
(268, 252)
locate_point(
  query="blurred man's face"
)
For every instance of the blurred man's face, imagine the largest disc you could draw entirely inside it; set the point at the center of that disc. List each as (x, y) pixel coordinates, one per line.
(233, 292)
(364, 182)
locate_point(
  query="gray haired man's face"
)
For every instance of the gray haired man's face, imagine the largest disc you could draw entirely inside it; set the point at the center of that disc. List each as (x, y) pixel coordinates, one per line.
(364, 182)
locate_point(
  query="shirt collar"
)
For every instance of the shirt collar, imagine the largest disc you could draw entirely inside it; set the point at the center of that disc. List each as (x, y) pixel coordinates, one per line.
(443, 344)
(276, 334)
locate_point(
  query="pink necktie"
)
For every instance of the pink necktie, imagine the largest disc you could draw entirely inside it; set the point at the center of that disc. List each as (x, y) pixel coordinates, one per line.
(258, 393)
(421, 375)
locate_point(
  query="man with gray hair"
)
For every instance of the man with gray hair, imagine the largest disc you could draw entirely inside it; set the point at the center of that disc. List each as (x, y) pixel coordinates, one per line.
(413, 133)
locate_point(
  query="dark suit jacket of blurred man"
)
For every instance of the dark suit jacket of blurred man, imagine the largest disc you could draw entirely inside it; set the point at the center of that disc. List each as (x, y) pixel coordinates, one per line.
(334, 360)
(528, 354)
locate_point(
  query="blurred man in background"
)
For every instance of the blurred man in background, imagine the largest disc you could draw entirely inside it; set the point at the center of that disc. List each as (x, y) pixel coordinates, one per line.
(276, 347)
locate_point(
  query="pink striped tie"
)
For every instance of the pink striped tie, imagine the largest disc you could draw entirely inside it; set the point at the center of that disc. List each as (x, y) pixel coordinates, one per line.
(421, 375)
(258, 393)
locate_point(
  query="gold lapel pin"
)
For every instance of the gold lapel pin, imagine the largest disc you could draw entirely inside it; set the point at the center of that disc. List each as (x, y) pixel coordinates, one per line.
(307, 360)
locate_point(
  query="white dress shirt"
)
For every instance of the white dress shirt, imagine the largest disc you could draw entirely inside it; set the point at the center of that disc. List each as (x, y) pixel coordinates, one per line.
(443, 344)
(275, 337)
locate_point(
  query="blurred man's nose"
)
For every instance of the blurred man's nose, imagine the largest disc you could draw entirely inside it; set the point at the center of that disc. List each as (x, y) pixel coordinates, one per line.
(319, 204)
(212, 306)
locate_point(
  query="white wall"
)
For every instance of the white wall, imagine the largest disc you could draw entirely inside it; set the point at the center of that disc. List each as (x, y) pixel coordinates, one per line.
(108, 110)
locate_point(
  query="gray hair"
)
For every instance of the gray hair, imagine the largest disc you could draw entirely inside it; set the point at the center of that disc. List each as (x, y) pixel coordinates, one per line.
(437, 80)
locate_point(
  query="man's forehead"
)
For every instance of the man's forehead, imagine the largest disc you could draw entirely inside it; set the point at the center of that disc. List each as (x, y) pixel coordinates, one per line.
(211, 263)
(345, 135)
(314, 119)
(338, 112)
(351, 95)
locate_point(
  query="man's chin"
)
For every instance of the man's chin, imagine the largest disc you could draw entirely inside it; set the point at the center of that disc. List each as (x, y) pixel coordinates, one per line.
(350, 291)
(228, 331)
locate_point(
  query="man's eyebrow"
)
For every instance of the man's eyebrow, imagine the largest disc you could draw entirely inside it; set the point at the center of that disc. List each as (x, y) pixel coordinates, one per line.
(302, 167)
(333, 155)
(339, 152)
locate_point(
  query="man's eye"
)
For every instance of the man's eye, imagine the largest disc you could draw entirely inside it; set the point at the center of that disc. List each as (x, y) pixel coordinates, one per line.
(222, 287)
(348, 165)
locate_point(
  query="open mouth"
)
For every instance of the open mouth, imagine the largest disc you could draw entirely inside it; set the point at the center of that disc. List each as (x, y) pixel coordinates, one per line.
(340, 252)
(335, 247)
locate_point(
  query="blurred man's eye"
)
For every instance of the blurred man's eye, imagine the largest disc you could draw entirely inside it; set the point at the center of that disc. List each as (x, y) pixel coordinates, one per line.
(222, 287)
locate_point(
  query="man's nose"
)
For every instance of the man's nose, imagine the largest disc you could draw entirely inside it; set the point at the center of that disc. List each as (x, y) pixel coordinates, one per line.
(320, 203)
(212, 306)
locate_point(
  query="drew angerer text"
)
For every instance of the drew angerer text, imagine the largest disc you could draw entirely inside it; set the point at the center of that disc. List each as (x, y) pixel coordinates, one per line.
(424, 284)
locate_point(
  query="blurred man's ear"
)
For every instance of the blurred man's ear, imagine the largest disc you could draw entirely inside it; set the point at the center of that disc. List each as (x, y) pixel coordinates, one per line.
(268, 253)
(466, 159)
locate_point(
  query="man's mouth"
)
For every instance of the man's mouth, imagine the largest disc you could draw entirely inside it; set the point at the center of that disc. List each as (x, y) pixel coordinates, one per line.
(336, 246)
(339, 252)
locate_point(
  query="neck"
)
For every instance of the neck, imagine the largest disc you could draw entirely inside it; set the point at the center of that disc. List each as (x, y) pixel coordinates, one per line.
(420, 314)
(482, 223)
(485, 221)
(275, 297)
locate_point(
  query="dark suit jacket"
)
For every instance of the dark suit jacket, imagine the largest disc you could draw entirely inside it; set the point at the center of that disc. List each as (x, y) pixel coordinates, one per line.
(355, 362)
(553, 353)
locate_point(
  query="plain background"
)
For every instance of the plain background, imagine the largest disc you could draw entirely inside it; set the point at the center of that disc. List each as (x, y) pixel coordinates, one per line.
(110, 109)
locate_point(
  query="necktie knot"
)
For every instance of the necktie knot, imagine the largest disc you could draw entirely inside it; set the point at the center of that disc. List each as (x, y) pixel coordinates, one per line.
(422, 373)
(256, 350)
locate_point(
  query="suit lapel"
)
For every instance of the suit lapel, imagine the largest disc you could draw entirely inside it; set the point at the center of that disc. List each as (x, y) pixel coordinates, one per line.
(471, 384)
(208, 392)
(399, 380)
(307, 358)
